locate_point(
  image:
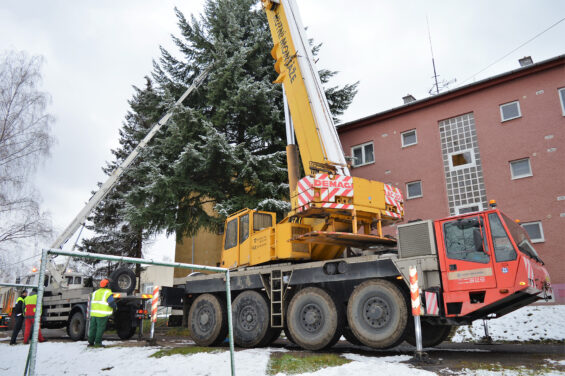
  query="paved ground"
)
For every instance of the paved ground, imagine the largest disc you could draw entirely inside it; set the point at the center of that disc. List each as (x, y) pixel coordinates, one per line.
(444, 360)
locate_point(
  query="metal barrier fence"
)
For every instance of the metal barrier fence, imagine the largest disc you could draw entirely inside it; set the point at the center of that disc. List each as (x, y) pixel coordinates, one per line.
(31, 359)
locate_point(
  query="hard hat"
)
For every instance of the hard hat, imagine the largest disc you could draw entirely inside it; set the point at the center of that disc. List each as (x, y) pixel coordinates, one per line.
(104, 282)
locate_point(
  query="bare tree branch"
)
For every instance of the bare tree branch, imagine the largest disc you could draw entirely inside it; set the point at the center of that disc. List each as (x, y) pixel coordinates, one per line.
(25, 141)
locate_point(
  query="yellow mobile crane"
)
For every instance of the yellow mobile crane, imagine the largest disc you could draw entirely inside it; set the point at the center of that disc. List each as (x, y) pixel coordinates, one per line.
(295, 275)
(331, 210)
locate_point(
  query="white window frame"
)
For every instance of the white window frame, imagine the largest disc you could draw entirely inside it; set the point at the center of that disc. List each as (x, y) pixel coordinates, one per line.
(362, 147)
(468, 165)
(537, 240)
(561, 93)
(404, 133)
(460, 207)
(520, 176)
(408, 197)
(502, 119)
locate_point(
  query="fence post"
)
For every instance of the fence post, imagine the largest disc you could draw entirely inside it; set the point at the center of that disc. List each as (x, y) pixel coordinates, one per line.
(31, 358)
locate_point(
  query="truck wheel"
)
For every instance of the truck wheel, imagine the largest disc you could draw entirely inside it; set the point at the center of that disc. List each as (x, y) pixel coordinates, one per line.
(274, 334)
(377, 314)
(126, 330)
(208, 320)
(313, 319)
(122, 280)
(251, 319)
(432, 335)
(76, 326)
(350, 337)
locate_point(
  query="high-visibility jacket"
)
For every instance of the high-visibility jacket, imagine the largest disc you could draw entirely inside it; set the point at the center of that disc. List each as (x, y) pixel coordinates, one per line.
(19, 307)
(99, 306)
(30, 302)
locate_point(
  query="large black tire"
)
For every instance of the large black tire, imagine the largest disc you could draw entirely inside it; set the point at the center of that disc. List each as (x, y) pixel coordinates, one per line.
(274, 334)
(207, 320)
(313, 320)
(350, 337)
(76, 327)
(377, 314)
(432, 335)
(251, 319)
(122, 280)
(126, 331)
(123, 319)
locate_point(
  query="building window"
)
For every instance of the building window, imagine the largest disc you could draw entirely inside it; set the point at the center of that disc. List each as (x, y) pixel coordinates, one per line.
(461, 159)
(363, 154)
(409, 138)
(509, 111)
(469, 208)
(521, 168)
(414, 189)
(535, 231)
(562, 99)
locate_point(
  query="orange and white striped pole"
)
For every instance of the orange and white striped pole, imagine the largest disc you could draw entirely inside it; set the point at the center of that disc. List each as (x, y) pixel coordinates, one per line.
(154, 306)
(416, 307)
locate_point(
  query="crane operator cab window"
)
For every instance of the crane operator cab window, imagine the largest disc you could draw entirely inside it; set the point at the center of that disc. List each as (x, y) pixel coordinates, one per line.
(465, 240)
(243, 228)
(231, 234)
(503, 249)
(261, 221)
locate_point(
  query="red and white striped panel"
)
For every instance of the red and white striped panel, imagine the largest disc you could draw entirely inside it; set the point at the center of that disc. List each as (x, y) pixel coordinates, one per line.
(305, 190)
(330, 188)
(432, 307)
(337, 206)
(393, 196)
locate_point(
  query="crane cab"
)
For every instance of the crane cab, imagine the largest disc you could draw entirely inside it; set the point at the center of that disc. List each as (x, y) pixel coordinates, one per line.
(488, 265)
(248, 238)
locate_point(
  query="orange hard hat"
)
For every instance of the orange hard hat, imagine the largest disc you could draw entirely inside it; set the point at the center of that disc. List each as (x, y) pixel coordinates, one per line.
(104, 282)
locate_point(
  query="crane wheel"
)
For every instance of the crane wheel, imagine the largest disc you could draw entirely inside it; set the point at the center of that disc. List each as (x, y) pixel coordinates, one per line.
(350, 337)
(313, 320)
(377, 314)
(76, 327)
(208, 320)
(251, 320)
(432, 335)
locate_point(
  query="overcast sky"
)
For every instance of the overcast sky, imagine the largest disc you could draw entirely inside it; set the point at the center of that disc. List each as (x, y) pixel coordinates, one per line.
(96, 50)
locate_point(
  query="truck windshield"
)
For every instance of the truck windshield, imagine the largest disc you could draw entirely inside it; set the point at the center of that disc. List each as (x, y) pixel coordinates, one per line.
(521, 238)
(464, 240)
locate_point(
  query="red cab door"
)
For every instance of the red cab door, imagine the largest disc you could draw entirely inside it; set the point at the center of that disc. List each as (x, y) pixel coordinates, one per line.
(465, 259)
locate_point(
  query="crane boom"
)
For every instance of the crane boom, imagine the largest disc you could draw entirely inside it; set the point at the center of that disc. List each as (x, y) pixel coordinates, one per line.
(316, 134)
(118, 172)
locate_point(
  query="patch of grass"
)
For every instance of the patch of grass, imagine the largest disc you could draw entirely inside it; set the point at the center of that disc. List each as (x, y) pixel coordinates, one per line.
(147, 324)
(300, 362)
(187, 350)
(178, 331)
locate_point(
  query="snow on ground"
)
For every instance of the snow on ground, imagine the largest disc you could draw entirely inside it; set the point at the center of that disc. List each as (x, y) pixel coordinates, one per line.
(58, 358)
(74, 358)
(528, 323)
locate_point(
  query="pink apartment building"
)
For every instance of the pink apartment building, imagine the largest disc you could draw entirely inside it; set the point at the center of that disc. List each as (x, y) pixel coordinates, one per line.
(501, 138)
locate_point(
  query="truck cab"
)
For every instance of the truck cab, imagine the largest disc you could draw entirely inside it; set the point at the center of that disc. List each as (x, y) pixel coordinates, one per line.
(488, 265)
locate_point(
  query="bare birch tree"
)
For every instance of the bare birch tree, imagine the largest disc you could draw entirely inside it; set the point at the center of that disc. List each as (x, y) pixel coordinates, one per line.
(25, 141)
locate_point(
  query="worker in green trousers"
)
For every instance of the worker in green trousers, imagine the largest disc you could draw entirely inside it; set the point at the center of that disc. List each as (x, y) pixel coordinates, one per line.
(102, 305)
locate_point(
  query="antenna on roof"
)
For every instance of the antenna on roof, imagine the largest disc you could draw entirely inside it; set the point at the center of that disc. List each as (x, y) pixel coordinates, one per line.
(444, 84)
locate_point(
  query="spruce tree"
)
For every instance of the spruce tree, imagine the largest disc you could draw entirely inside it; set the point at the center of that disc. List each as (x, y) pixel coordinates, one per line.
(224, 148)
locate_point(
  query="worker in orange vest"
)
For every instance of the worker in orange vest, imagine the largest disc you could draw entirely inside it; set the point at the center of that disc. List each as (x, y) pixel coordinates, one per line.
(30, 302)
